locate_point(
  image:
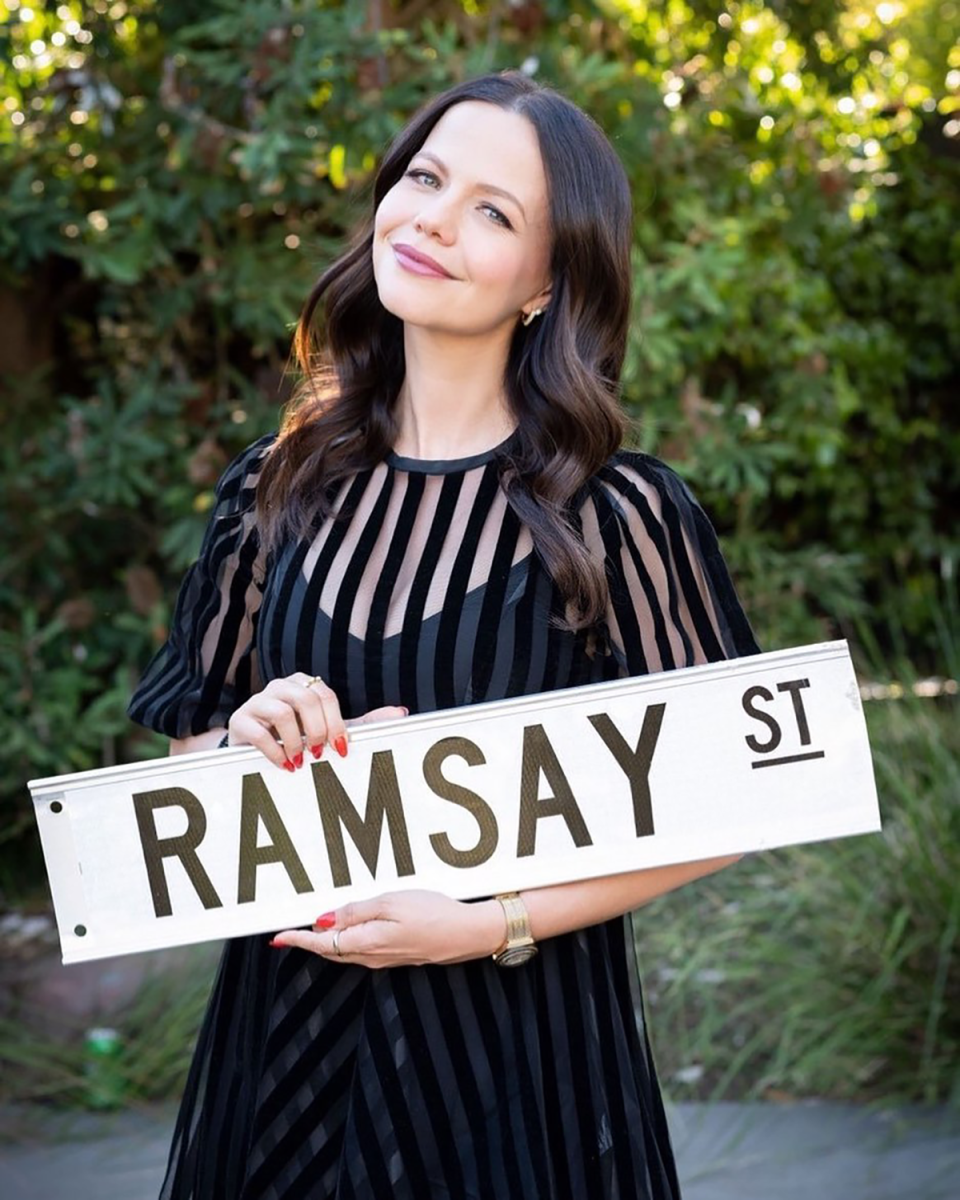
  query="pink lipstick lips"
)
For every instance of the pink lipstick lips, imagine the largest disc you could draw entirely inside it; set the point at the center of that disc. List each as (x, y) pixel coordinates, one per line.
(417, 263)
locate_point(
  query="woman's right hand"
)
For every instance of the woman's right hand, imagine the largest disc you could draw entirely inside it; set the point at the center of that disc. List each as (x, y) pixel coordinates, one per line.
(294, 714)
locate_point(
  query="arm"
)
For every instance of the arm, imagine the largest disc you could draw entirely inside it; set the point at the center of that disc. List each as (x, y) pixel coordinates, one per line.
(208, 665)
(414, 927)
(569, 906)
(419, 927)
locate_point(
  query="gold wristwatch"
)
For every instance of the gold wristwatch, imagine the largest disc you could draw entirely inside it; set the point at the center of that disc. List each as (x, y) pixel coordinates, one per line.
(519, 946)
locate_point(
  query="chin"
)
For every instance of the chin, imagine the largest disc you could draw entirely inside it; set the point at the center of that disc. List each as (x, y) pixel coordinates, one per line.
(400, 300)
(404, 308)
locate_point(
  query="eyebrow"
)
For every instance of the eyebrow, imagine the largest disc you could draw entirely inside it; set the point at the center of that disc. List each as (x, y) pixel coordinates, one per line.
(482, 187)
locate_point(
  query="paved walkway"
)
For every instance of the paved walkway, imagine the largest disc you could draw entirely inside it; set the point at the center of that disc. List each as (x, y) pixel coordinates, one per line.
(724, 1151)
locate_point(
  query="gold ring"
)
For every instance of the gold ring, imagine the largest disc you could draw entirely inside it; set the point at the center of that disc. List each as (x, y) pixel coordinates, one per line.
(336, 942)
(311, 682)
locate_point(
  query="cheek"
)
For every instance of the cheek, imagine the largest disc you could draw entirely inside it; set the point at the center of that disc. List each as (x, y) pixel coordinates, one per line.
(386, 219)
(495, 261)
(390, 213)
(506, 267)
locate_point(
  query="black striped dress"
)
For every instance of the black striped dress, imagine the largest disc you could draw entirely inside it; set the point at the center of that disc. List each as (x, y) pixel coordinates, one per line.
(314, 1079)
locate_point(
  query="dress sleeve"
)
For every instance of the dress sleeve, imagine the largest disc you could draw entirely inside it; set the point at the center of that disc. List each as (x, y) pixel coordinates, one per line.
(672, 602)
(207, 667)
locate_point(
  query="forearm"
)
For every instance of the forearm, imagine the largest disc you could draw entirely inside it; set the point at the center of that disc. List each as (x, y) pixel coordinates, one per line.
(568, 906)
(201, 741)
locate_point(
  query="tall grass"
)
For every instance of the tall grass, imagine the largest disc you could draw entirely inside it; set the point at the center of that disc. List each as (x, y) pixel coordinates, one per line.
(157, 1034)
(831, 969)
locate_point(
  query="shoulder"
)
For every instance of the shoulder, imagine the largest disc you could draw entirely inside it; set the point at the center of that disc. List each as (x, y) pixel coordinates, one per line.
(638, 486)
(238, 482)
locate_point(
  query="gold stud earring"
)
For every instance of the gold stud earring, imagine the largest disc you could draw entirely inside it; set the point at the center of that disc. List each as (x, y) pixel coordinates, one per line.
(529, 317)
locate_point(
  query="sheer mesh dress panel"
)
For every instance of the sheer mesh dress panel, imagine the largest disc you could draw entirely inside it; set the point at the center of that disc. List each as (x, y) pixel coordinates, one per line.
(314, 1079)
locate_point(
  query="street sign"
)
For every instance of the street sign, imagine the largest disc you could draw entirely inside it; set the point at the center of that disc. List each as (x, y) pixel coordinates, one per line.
(724, 758)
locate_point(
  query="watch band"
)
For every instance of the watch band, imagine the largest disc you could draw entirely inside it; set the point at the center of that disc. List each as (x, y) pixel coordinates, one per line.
(520, 944)
(518, 922)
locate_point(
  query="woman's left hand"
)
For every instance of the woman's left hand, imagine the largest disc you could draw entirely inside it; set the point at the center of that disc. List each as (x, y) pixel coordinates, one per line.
(400, 929)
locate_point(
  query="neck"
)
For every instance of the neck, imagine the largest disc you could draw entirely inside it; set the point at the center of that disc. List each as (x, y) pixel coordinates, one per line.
(452, 401)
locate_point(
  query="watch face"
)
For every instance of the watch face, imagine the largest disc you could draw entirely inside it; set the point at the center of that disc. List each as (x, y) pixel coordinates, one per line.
(514, 957)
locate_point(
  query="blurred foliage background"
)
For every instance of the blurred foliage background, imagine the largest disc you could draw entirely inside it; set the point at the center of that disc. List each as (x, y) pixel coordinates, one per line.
(174, 177)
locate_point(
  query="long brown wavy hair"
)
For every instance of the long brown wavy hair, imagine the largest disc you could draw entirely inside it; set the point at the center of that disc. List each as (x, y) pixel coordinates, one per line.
(562, 373)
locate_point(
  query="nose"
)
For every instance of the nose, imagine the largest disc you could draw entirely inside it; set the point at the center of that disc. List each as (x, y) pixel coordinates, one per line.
(436, 219)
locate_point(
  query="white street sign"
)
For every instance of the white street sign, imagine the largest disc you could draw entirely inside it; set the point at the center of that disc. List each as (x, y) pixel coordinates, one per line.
(724, 758)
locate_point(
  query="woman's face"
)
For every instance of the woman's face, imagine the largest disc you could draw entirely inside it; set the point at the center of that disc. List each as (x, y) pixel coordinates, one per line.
(474, 200)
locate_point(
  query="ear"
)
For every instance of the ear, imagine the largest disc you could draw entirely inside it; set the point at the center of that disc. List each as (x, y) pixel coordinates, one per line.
(541, 300)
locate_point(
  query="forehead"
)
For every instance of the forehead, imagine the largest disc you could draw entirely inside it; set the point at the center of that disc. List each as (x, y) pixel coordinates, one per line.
(482, 143)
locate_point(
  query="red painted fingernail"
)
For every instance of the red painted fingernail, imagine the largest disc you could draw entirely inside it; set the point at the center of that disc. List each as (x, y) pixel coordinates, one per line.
(326, 921)
(341, 745)
(316, 751)
(298, 760)
(276, 945)
(288, 765)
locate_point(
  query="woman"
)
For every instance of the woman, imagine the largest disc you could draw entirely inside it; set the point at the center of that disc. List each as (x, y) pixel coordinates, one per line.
(446, 517)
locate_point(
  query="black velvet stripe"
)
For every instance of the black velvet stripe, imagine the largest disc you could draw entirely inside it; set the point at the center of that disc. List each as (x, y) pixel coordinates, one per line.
(280, 600)
(230, 626)
(395, 1129)
(229, 1123)
(628, 619)
(501, 1055)
(520, 991)
(368, 1170)
(306, 984)
(552, 676)
(526, 628)
(450, 614)
(424, 1054)
(473, 1077)
(352, 576)
(703, 625)
(337, 531)
(383, 593)
(578, 1056)
(665, 651)
(159, 704)
(489, 627)
(283, 1154)
(341, 1013)
(411, 633)
(184, 1148)
(739, 638)
(639, 506)
(205, 1158)
(460, 1090)
(243, 685)
(561, 1185)
(569, 1178)
(612, 1050)
(660, 1164)
(663, 533)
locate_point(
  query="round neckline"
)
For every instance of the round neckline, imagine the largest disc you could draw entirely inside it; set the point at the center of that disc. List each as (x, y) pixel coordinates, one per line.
(443, 466)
